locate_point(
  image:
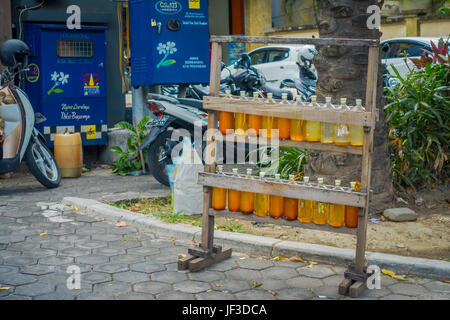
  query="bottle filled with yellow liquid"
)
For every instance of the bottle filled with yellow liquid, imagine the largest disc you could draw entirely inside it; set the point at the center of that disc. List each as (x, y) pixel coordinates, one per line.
(269, 123)
(323, 208)
(219, 195)
(241, 119)
(342, 130)
(298, 127)
(306, 208)
(226, 119)
(337, 211)
(291, 204)
(234, 197)
(357, 132)
(328, 129)
(351, 213)
(313, 128)
(284, 125)
(276, 203)
(261, 201)
(254, 121)
(247, 198)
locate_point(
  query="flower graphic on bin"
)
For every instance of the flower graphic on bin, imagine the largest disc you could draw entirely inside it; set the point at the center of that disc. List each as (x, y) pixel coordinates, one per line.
(59, 78)
(166, 49)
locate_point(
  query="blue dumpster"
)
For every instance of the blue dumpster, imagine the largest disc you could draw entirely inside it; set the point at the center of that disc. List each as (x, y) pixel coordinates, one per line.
(66, 81)
(169, 42)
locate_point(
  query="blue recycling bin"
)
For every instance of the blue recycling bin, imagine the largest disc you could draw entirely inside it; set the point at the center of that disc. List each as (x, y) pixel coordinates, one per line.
(66, 81)
(169, 42)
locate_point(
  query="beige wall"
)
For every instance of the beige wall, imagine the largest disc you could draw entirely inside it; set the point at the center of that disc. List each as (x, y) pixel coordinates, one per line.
(258, 19)
(435, 28)
(393, 30)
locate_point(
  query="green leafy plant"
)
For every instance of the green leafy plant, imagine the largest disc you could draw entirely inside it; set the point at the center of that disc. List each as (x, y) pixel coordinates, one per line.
(129, 160)
(288, 161)
(419, 115)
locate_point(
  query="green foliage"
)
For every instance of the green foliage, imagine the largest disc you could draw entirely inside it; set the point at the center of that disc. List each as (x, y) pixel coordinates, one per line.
(289, 161)
(129, 160)
(419, 115)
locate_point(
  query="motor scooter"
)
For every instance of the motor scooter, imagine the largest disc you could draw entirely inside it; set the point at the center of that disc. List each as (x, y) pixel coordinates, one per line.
(19, 139)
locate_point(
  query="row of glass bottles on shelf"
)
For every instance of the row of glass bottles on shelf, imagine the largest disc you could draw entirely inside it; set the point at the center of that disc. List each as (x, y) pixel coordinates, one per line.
(296, 130)
(306, 211)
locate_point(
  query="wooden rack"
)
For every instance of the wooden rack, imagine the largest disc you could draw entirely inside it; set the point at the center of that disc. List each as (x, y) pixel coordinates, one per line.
(207, 253)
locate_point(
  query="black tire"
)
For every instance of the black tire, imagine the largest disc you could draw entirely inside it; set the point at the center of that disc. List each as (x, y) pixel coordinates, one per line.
(157, 168)
(52, 177)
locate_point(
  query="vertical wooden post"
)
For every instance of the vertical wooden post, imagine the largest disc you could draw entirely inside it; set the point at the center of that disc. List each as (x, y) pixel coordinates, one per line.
(371, 98)
(214, 87)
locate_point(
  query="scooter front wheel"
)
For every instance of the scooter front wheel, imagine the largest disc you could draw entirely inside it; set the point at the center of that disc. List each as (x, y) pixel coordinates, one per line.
(42, 164)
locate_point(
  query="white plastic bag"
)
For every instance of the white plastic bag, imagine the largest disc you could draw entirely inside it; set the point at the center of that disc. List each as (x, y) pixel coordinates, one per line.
(188, 195)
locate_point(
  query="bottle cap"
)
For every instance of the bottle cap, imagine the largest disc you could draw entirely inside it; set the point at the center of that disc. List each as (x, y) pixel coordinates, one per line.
(328, 99)
(255, 94)
(343, 100)
(277, 176)
(313, 98)
(269, 95)
(262, 174)
(337, 182)
(353, 184)
(320, 180)
(235, 170)
(249, 171)
(242, 93)
(228, 92)
(306, 179)
(359, 102)
(220, 168)
(284, 96)
(291, 177)
(298, 98)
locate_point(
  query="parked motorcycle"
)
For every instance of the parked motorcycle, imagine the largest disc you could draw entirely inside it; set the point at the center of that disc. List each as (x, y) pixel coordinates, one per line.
(20, 139)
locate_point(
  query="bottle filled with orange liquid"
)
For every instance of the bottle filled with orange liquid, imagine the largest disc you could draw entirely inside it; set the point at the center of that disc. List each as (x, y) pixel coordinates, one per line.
(328, 128)
(219, 195)
(313, 128)
(342, 130)
(261, 201)
(351, 213)
(321, 215)
(234, 197)
(254, 121)
(305, 207)
(291, 204)
(247, 198)
(276, 203)
(284, 125)
(298, 127)
(226, 119)
(269, 123)
(337, 211)
(241, 119)
(357, 132)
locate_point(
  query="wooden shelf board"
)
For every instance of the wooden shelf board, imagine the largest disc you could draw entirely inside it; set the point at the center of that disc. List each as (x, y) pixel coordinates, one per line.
(280, 221)
(288, 111)
(290, 143)
(284, 189)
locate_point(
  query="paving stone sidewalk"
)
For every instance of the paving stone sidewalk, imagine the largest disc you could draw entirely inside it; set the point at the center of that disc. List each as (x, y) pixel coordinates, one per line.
(40, 239)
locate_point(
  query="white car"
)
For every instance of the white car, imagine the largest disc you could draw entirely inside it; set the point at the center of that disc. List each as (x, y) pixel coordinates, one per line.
(276, 63)
(394, 51)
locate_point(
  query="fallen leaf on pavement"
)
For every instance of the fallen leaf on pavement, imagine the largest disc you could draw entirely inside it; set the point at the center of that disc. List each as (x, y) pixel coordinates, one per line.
(242, 258)
(280, 258)
(393, 275)
(296, 259)
(218, 285)
(75, 208)
(181, 256)
(311, 264)
(135, 209)
(121, 224)
(272, 292)
(43, 234)
(210, 290)
(256, 284)
(5, 288)
(447, 281)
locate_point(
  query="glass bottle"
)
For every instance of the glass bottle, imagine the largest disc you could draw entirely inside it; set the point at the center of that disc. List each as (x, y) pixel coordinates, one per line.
(306, 208)
(298, 126)
(291, 204)
(247, 198)
(342, 130)
(321, 215)
(269, 123)
(328, 128)
(351, 213)
(284, 125)
(357, 132)
(337, 211)
(254, 121)
(261, 201)
(313, 128)
(234, 197)
(226, 119)
(276, 203)
(219, 195)
(240, 119)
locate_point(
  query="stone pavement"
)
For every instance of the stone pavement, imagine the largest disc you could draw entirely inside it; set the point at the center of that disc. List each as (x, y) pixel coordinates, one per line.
(40, 239)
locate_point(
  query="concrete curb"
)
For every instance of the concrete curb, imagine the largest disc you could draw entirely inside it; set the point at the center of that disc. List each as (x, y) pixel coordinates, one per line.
(265, 246)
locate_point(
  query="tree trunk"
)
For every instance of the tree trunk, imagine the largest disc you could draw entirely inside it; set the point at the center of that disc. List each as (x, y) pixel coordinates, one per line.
(342, 72)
